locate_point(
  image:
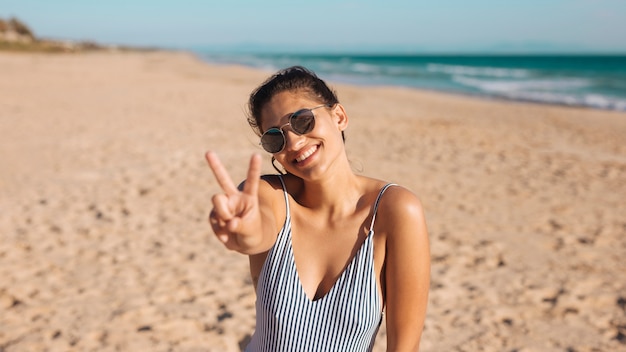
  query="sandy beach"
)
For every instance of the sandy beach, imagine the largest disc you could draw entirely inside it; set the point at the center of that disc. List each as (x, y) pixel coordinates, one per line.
(104, 196)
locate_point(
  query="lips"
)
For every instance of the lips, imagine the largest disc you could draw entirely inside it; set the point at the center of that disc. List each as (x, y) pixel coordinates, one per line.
(307, 153)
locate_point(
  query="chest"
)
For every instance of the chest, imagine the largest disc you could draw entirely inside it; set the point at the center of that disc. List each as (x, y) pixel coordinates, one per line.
(322, 250)
(346, 313)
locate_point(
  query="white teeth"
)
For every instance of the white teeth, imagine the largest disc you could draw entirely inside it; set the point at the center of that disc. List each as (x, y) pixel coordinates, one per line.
(306, 154)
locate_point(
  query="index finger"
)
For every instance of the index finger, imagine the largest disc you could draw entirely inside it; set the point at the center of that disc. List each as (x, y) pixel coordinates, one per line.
(251, 186)
(221, 175)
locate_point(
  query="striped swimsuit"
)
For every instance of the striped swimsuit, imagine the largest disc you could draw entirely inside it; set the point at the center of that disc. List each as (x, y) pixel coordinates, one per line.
(347, 318)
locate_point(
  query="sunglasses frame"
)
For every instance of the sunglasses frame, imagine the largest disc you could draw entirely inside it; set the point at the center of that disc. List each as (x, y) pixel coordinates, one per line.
(282, 133)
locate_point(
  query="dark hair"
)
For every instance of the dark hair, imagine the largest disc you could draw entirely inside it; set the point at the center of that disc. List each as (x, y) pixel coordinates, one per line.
(295, 78)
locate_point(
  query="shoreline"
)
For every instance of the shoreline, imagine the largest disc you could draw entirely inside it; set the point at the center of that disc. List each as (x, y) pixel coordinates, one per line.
(484, 97)
(105, 196)
(479, 77)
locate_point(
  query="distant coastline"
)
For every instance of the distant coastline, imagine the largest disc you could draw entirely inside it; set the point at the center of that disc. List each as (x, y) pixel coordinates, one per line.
(17, 36)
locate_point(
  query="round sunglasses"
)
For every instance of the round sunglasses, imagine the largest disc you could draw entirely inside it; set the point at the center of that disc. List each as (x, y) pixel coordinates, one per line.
(301, 122)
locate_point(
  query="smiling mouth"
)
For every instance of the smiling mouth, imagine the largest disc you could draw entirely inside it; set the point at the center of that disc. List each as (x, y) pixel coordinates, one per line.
(306, 154)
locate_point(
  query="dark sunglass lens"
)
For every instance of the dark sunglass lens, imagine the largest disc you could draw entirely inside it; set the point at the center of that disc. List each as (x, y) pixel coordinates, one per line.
(303, 121)
(272, 140)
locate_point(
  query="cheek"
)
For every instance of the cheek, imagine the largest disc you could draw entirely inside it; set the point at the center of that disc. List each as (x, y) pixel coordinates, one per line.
(332, 133)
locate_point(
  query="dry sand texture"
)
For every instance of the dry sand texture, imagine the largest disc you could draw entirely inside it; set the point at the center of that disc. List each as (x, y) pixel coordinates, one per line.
(104, 195)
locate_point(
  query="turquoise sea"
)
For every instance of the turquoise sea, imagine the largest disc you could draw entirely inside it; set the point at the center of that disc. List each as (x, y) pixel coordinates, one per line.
(594, 81)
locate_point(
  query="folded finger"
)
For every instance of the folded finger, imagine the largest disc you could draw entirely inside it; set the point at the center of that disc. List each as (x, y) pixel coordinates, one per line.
(221, 208)
(219, 227)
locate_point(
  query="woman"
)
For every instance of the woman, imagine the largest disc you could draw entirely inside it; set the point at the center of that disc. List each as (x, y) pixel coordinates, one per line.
(329, 250)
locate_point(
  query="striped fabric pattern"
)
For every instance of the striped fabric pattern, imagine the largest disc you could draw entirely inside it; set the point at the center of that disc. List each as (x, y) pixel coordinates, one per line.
(347, 318)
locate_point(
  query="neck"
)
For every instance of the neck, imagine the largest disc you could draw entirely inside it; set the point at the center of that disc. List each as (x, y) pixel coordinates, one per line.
(336, 193)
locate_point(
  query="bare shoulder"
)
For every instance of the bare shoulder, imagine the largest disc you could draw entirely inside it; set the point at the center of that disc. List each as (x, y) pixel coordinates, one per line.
(269, 188)
(272, 183)
(400, 209)
(271, 192)
(399, 199)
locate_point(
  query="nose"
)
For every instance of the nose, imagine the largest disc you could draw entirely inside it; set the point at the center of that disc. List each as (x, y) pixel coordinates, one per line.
(293, 141)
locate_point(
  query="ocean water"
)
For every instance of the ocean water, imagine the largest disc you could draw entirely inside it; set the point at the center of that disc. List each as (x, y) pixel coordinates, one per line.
(594, 81)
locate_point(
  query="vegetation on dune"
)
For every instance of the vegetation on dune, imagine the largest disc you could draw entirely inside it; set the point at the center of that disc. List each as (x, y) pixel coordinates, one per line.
(19, 27)
(14, 30)
(15, 35)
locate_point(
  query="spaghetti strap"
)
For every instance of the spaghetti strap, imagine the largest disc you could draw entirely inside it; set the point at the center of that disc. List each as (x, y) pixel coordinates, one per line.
(286, 195)
(380, 194)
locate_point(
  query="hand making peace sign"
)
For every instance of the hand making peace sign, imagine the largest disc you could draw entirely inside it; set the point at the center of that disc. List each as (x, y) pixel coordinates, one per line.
(236, 216)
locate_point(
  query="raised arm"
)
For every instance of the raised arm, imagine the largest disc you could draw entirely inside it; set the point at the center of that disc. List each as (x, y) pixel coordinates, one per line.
(241, 218)
(407, 269)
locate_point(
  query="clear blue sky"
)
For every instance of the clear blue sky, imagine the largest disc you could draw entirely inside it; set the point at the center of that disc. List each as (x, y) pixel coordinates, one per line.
(322, 25)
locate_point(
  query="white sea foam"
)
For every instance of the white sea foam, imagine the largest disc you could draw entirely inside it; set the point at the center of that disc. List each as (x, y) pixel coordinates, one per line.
(500, 86)
(399, 70)
(479, 71)
(545, 97)
(556, 91)
(617, 104)
(329, 66)
(365, 68)
(604, 102)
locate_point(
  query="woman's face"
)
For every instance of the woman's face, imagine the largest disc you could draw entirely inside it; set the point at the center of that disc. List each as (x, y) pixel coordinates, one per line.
(312, 154)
